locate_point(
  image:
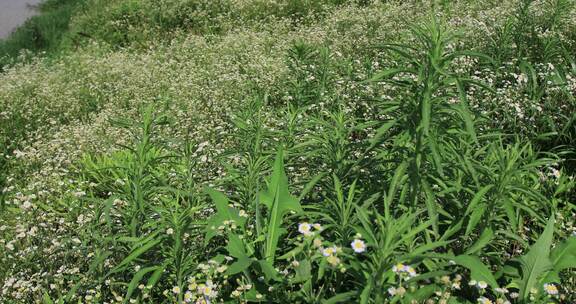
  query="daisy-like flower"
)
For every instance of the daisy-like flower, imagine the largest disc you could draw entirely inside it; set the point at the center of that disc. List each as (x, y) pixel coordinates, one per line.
(551, 289)
(188, 296)
(398, 268)
(169, 231)
(192, 285)
(411, 272)
(176, 290)
(484, 300)
(358, 245)
(305, 228)
(329, 251)
(482, 285)
(207, 289)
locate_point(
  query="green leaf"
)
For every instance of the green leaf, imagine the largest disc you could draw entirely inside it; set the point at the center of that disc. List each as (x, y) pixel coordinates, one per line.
(239, 265)
(477, 197)
(431, 206)
(136, 280)
(310, 185)
(478, 271)
(482, 241)
(135, 254)
(365, 294)
(389, 73)
(235, 246)
(423, 293)
(46, 299)
(269, 271)
(564, 255)
(223, 213)
(279, 202)
(251, 296)
(475, 218)
(339, 298)
(303, 272)
(377, 139)
(536, 262)
(155, 277)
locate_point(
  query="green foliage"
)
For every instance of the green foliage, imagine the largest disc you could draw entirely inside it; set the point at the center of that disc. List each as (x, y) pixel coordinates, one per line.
(293, 152)
(44, 32)
(279, 201)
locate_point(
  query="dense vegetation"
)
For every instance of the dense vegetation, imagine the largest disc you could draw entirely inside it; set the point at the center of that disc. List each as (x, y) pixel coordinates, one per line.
(290, 151)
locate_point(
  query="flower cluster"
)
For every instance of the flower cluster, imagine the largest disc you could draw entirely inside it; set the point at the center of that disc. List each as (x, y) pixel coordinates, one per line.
(306, 228)
(404, 271)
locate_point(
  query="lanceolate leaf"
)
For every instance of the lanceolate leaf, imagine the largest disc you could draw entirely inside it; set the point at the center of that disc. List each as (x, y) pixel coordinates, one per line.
(135, 254)
(483, 240)
(340, 298)
(136, 280)
(536, 263)
(279, 202)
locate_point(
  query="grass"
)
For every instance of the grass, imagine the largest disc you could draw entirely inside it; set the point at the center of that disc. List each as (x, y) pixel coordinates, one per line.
(293, 152)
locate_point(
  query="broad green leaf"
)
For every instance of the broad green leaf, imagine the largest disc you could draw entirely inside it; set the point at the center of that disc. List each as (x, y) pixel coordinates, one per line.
(269, 271)
(223, 213)
(536, 262)
(239, 265)
(251, 296)
(303, 272)
(478, 271)
(564, 255)
(279, 202)
(235, 246)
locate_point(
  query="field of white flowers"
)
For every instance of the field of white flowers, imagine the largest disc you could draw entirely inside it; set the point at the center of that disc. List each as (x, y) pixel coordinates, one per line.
(292, 151)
